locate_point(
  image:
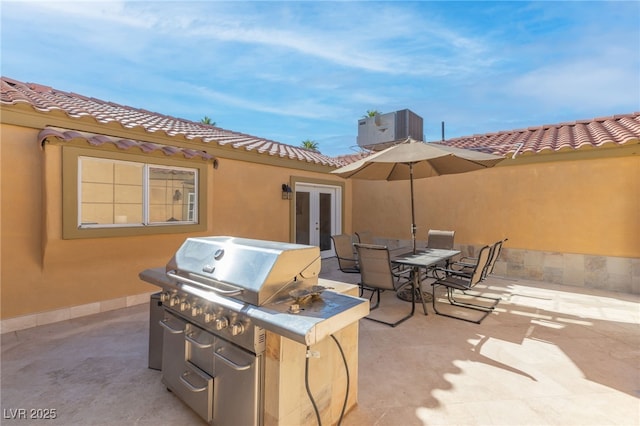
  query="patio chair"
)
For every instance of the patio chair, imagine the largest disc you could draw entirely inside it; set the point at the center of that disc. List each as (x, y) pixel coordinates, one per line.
(454, 280)
(440, 239)
(343, 245)
(378, 275)
(365, 237)
(496, 254)
(467, 263)
(437, 239)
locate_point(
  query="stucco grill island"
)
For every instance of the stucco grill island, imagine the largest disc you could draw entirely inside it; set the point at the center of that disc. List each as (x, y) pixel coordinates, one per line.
(230, 309)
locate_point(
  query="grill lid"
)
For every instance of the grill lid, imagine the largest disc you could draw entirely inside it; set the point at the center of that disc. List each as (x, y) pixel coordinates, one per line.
(254, 271)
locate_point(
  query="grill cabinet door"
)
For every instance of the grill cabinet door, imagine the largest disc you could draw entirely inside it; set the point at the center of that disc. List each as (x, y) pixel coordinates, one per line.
(237, 386)
(173, 349)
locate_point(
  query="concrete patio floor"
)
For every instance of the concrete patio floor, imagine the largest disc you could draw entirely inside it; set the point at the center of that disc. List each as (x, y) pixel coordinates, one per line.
(548, 355)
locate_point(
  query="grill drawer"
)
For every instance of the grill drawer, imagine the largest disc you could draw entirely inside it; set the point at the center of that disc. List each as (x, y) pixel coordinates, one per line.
(200, 346)
(183, 378)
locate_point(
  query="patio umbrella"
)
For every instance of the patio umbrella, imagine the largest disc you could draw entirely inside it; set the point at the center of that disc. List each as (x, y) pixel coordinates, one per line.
(413, 159)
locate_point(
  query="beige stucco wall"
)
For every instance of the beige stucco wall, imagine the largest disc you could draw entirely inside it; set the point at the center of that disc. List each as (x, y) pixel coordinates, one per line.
(587, 206)
(42, 272)
(584, 206)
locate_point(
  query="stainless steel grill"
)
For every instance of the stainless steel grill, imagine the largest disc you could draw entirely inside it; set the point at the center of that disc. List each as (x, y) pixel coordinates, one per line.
(220, 297)
(251, 271)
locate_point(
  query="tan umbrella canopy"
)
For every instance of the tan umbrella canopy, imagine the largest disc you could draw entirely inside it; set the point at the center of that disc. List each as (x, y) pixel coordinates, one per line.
(415, 160)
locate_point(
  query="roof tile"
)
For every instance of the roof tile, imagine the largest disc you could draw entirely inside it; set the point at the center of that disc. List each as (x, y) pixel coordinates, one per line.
(617, 130)
(46, 99)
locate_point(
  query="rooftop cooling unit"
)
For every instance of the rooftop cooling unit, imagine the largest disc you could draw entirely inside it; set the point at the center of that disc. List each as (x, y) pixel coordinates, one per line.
(382, 130)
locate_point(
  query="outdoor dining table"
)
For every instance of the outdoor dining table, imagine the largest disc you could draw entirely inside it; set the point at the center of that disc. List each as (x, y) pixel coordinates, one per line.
(425, 258)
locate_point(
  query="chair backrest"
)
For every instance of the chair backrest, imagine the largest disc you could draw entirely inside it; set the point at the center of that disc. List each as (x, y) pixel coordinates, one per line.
(478, 272)
(375, 266)
(497, 248)
(365, 237)
(440, 239)
(343, 245)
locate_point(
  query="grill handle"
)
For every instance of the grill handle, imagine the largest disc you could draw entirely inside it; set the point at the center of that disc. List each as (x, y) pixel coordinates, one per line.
(232, 364)
(190, 339)
(164, 324)
(199, 284)
(183, 379)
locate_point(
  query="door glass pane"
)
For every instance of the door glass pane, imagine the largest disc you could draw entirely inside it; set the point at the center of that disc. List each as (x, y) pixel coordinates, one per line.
(325, 221)
(303, 209)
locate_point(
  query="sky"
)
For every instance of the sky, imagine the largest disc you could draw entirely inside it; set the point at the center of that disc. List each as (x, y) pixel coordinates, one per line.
(309, 70)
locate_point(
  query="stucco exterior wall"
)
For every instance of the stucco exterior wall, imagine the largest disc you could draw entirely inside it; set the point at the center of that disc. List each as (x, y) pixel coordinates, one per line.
(569, 222)
(586, 206)
(22, 198)
(42, 272)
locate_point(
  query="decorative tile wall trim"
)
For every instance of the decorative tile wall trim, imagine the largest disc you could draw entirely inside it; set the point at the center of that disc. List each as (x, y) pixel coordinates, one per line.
(620, 274)
(49, 317)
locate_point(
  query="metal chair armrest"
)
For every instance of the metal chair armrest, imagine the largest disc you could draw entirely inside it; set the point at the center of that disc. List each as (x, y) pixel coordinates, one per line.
(461, 266)
(401, 273)
(449, 272)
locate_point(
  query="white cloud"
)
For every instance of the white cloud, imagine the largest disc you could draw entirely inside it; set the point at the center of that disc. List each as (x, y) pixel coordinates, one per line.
(301, 107)
(372, 37)
(90, 12)
(607, 78)
(577, 84)
(374, 46)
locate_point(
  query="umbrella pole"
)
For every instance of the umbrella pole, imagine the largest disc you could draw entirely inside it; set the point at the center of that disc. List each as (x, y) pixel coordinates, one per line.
(413, 213)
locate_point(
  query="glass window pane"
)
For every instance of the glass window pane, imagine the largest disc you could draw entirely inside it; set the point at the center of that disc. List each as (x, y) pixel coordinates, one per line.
(110, 192)
(172, 195)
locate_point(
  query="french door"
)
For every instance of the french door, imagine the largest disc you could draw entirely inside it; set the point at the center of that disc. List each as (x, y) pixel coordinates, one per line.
(318, 215)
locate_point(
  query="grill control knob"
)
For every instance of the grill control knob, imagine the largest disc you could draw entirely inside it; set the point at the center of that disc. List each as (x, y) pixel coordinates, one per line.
(165, 296)
(196, 310)
(237, 328)
(175, 300)
(184, 305)
(208, 317)
(221, 323)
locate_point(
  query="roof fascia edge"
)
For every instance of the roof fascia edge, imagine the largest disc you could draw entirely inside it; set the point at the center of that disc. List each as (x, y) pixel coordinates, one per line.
(25, 117)
(627, 150)
(240, 154)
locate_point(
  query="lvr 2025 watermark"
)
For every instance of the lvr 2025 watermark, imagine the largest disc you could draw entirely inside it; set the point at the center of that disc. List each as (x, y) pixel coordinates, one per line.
(29, 413)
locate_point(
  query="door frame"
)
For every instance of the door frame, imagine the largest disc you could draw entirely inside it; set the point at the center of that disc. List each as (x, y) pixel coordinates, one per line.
(339, 188)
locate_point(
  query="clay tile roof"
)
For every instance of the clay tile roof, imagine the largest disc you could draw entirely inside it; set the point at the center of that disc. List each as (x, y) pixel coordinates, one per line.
(614, 131)
(352, 158)
(46, 99)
